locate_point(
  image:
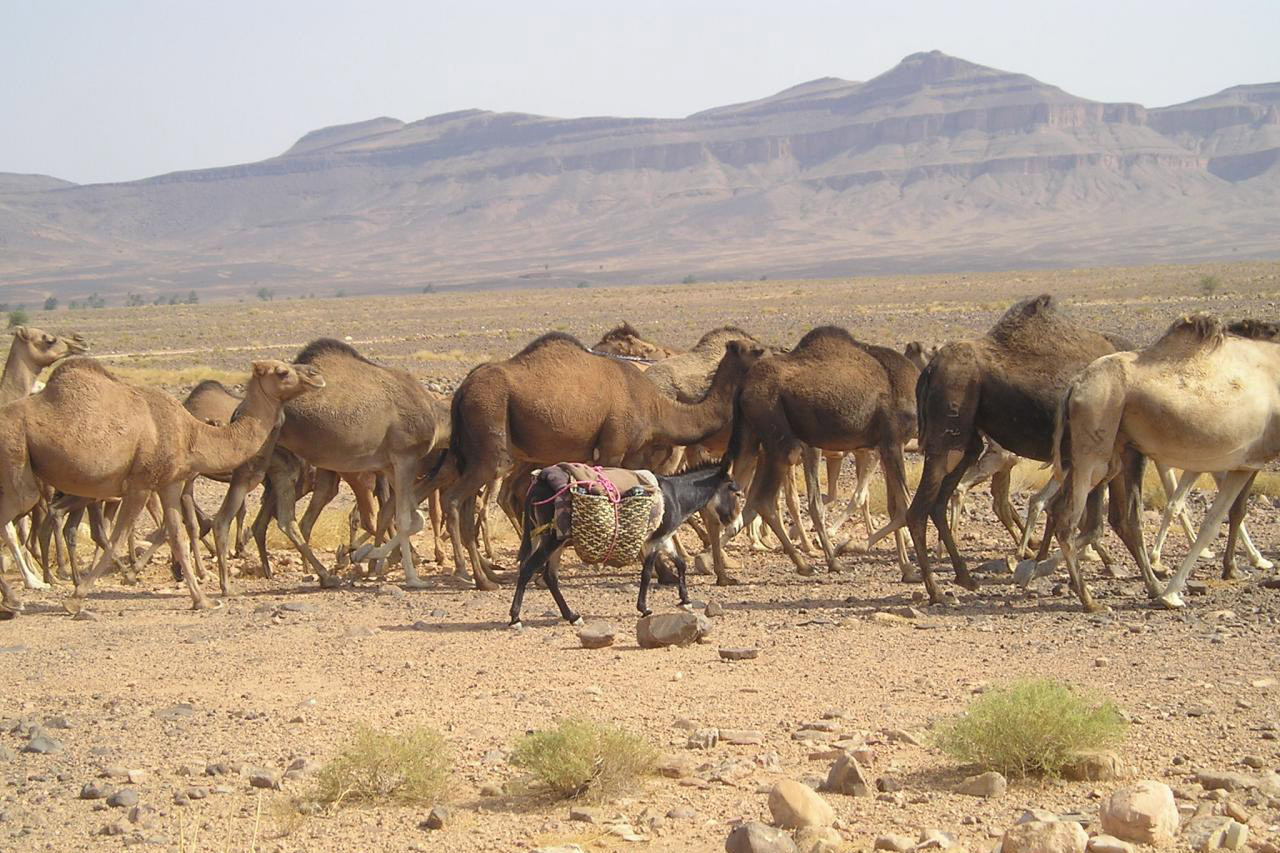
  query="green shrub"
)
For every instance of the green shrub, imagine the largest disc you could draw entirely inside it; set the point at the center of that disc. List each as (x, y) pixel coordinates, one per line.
(579, 758)
(1031, 727)
(18, 317)
(1209, 284)
(380, 768)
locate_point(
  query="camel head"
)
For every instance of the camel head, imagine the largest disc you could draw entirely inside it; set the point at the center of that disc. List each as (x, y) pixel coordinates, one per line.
(744, 353)
(43, 349)
(286, 381)
(626, 340)
(919, 354)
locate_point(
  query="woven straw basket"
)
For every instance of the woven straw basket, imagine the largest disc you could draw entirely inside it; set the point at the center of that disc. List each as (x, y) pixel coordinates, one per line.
(602, 529)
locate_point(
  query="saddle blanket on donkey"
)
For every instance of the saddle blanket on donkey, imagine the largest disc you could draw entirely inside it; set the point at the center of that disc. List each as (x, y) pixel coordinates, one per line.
(607, 513)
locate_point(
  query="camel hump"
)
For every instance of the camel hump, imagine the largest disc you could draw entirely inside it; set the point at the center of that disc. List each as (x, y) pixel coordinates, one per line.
(1258, 330)
(72, 366)
(207, 385)
(825, 334)
(327, 346)
(549, 339)
(723, 333)
(1200, 330)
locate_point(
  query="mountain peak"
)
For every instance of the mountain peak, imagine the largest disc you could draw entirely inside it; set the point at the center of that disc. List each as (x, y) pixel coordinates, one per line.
(928, 67)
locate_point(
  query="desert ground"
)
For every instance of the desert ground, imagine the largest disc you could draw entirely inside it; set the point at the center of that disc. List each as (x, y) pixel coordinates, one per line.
(195, 705)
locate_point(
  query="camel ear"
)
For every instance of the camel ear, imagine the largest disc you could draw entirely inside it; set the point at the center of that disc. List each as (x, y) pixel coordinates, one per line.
(757, 351)
(21, 332)
(261, 368)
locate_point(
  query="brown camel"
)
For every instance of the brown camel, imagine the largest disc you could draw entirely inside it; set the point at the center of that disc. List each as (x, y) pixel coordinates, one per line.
(556, 402)
(368, 418)
(1005, 386)
(831, 392)
(32, 351)
(90, 434)
(625, 341)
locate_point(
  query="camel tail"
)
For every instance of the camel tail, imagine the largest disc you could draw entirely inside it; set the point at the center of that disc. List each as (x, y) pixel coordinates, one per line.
(1061, 434)
(922, 395)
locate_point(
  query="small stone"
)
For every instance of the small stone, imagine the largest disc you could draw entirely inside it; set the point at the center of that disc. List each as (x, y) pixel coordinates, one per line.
(676, 767)
(263, 779)
(596, 635)
(94, 791)
(888, 784)
(818, 839)
(491, 789)
(794, 805)
(1263, 683)
(583, 814)
(1037, 836)
(1100, 662)
(1144, 814)
(671, 629)
(142, 815)
(297, 607)
(390, 590)
(1226, 780)
(42, 745)
(1236, 836)
(815, 735)
(985, 785)
(901, 736)
(125, 798)
(741, 737)
(421, 626)
(1236, 811)
(6, 754)
(682, 812)
(117, 828)
(174, 712)
(1094, 766)
(847, 777)
(739, 654)
(998, 566)
(358, 632)
(896, 843)
(437, 818)
(196, 792)
(714, 609)
(755, 837)
(1254, 761)
(704, 739)
(1109, 844)
(136, 776)
(83, 615)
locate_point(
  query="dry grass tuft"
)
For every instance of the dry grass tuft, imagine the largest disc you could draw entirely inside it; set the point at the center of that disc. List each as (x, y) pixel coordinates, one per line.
(1030, 728)
(582, 759)
(385, 768)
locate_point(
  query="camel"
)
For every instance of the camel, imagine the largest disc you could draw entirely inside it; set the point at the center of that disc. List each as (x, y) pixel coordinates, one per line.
(831, 392)
(368, 418)
(31, 352)
(556, 402)
(1200, 398)
(920, 354)
(625, 341)
(1004, 386)
(90, 434)
(1176, 506)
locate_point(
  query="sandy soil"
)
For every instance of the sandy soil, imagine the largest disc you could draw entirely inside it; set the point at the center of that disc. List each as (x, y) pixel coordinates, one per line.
(286, 671)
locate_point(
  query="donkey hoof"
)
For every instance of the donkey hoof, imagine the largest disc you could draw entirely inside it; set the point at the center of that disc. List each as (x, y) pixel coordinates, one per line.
(645, 612)
(575, 620)
(685, 606)
(517, 625)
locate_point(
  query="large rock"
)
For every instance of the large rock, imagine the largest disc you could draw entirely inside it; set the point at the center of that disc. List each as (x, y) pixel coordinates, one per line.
(1214, 832)
(1101, 765)
(596, 635)
(1144, 813)
(818, 839)
(671, 629)
(847, 777)
(757, 838)
(1226, 780)
(794, 805)
(985, 785)
(1109, 844)
(1039, 836)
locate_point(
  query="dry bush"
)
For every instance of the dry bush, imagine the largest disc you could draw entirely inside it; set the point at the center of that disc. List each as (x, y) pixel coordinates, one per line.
(1031, 727)
(582, 759)
(386, 768)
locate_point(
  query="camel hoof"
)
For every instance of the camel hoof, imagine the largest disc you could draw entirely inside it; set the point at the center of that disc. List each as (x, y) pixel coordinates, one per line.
(968, 582)
(36, 583)
(727, 580)
(1171, 601)
(206, 604)
(10, 609)
(805, 570)
(330, 581)
(73, 604)
(1264, 564)
(1094, 607)
(702, 565)
(486, 585)
(415, 583)
(912, 577)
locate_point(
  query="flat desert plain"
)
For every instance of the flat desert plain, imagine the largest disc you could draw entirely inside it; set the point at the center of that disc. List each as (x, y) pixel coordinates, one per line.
(197, 705)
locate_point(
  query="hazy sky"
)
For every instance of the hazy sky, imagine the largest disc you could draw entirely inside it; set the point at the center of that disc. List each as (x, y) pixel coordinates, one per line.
(107, 90)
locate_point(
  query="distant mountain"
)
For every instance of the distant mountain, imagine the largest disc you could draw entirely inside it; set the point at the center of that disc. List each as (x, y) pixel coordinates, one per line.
(936, 164)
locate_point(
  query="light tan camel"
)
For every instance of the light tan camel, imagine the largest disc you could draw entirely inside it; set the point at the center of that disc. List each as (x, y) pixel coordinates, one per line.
(32, 351)
(626, 341)
(90, 434)
(368, 418)
(556, 402)
(1199, 399)
(831, 392)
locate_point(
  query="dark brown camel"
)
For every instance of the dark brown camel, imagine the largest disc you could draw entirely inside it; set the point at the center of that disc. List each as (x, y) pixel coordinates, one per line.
(556, 402)
(1006, 386)
(831, 392)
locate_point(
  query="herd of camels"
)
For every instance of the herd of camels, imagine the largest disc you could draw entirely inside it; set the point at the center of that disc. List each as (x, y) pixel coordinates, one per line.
(1202, 398)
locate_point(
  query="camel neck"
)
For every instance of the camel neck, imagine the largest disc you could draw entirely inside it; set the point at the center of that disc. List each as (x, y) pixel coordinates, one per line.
(219, 449)
(693, 423)
(19, 376)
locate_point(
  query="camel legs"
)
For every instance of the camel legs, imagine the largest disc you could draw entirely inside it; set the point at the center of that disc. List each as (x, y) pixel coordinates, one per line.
(1233, 485)
(793, 507)
(29, 577)
(1035, 506)
(817, 511)
(130, 506)
(284, 485)
(187, 502)
(171, 500)
(1000, 487)
(943, 469)
(1235, 527)
(243, 481)
(459, 499)
(763, 499)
